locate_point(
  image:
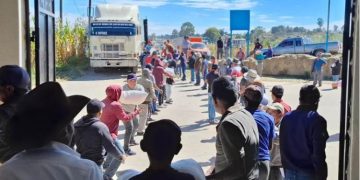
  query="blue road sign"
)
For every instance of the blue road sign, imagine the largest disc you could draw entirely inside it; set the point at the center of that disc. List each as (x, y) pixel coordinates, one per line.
(240, 21)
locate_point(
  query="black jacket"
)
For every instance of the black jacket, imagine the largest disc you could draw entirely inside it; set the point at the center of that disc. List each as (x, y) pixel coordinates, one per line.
(91, 137)
(336, 70)
(220, 44)
(191, 62)
(7, 111)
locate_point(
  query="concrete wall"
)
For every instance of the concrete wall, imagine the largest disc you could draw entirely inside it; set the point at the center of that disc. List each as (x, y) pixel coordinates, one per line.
(12, 34)
(291, 64)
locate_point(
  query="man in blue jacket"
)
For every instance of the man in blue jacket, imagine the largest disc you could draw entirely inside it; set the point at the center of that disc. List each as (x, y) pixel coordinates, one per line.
(303, 137)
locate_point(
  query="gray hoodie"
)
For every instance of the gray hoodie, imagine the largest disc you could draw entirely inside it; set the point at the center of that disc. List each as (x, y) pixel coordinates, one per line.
(91, 137)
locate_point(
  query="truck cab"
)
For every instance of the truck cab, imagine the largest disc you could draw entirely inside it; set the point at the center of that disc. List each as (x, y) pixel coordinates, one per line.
(115, 37)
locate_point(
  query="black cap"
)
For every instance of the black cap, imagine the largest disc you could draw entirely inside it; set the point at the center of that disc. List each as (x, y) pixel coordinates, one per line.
(214, 66)
(94, 106)
(148, 66)
(278, 91)
(244, 69)
(15, 76)
(131, 77)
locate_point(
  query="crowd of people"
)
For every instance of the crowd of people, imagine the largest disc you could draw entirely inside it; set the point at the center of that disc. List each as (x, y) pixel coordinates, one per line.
(258, 137)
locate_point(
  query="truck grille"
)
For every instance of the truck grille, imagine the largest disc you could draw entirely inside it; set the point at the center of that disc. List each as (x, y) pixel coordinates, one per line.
(111, 51)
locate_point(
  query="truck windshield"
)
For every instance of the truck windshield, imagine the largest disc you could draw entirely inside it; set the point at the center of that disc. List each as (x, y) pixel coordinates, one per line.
(113, 29)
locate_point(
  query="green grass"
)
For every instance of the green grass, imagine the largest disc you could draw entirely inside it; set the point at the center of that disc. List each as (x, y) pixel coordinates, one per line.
(74, 68)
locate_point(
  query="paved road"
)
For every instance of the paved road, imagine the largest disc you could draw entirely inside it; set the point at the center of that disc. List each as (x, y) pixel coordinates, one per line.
(189, 111)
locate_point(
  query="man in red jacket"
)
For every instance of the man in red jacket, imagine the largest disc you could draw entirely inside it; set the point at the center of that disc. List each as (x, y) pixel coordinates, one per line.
(113, 112)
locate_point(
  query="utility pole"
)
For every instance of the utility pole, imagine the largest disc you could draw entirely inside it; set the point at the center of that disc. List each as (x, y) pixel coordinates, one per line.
(61, 12)
(89, 15)
(327, 29)
(89, 26)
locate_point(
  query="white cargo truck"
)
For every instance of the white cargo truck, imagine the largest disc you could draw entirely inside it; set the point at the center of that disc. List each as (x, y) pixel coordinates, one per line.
(115, 37)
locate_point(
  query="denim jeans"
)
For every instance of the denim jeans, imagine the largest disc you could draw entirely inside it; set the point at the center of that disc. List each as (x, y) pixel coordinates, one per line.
(154, 106)
(183, 69)
(211, 108)
(130, 130)
(161, 96)
(296, 175)
(192, 77)
(335, 78)
(178, 70)
(318, 76)
(198, 78)
(112, 163)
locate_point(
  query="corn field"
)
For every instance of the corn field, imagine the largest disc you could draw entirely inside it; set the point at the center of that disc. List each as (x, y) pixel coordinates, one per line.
(70, 41)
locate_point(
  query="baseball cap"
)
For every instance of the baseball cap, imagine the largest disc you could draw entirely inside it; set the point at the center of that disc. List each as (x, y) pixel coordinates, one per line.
(15, 76)
(94, 106)
(131, 77)
(277, 106)
(277, 90)
(214, 66)
(244, 69)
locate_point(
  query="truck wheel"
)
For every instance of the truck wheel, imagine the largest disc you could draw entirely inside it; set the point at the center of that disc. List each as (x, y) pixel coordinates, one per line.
(318, 51)
(134, 69)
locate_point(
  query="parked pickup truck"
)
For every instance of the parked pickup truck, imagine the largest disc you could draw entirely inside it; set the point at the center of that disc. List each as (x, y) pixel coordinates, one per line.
(300, 45)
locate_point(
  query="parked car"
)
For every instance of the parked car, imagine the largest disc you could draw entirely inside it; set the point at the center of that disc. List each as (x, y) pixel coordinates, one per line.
(301, 45)
(200, 47)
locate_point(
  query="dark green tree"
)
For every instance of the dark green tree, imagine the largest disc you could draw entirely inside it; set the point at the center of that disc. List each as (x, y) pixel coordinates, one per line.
(212, 33)
(175, 33)
(320, 22)
(258, 32)
(187, 29)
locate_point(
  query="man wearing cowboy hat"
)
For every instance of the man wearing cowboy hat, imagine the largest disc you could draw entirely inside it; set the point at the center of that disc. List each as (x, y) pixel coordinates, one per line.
(249, 77)
(41, 131)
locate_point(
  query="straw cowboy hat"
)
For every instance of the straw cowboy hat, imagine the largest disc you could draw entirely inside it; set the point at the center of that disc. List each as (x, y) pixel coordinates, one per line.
(252, 76)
